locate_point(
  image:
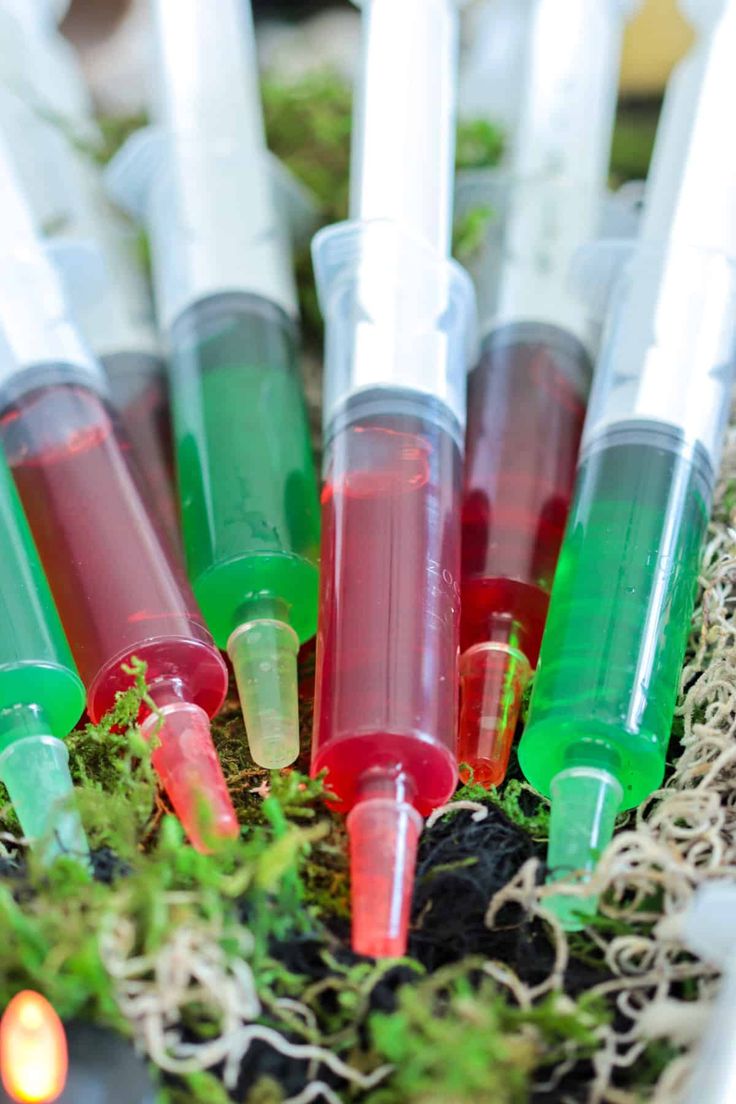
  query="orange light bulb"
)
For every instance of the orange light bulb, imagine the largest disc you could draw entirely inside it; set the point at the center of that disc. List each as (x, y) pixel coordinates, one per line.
(33, 1050)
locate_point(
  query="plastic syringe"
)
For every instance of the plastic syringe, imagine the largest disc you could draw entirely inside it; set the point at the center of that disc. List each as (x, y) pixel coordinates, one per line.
(622, 600)
(398, 314)
(41, 694)
(46, 113)
(117, 586)
(226, 299)
(527, 395)
(492, 63)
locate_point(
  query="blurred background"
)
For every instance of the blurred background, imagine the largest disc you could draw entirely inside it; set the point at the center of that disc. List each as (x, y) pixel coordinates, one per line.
(112, 37)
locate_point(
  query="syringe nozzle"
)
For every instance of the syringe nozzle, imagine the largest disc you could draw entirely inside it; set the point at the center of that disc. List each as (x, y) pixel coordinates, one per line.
(189, 771)
(493, 678)
(585, 803)
(35, 771)
(263, 653)
(384, 833)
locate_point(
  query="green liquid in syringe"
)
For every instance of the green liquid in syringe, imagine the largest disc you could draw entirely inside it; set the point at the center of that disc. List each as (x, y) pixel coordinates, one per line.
(41, 695)
(249, 504)
(620, 613)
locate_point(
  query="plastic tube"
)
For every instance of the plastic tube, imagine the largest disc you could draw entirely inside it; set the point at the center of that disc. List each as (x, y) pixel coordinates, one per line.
(491, 69)
(609, 671)
(47, 117)
(526, 405)
(41, 695)
(225, 295)
(398, 317)
(549, 196)
(250, 511)
(117, 584)
(386, 703)
(527, 394)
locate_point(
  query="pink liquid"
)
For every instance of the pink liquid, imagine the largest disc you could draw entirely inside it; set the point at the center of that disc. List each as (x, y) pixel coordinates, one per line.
(145, 420)
(385, 710)
(525, 417)
(526, 406)
(118, 586)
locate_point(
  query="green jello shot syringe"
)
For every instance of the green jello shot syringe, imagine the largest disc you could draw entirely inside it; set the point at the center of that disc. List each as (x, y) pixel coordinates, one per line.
(226, 301)
(41, 694)
(620, 612)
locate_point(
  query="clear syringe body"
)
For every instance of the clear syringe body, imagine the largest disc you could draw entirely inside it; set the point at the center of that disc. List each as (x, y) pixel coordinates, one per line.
(526, 405)
(249, 504)
(114, 577)
(47, 117)
(602, 705)
(41, 694)
(527, 394)
(398, 314)
(226, 300)
(117, 583)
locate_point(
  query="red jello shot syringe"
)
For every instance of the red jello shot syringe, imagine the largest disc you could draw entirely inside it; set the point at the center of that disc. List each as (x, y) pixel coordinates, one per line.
(116, 583)
(398, 313)
(528, 392)
(47, 114)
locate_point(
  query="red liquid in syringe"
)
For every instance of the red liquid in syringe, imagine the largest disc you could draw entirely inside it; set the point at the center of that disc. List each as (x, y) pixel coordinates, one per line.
(385, 710)
(526, 406)
(140, 397)
(119, 588)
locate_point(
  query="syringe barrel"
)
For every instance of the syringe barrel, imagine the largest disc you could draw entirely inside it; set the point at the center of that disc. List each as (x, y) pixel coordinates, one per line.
(548, 199)
(404, 122)
(569, 64)
(668, 351)
(248, 489)
(389, 602)
(398, 316)
(119, 588)
(491, 73)
(669, 348)
(35, 323)
(526, 405)
(36, 665)
(208, 200)
(47, 117)
(620, 611)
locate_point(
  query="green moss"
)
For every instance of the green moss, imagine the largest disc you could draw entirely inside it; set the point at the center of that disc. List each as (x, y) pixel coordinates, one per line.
(114, 131)
(480, 144)
(197, 1087)
(451, 1041)
(633, 140)
(728, 502)
(511, 799)
(308, 126)
(470, 232)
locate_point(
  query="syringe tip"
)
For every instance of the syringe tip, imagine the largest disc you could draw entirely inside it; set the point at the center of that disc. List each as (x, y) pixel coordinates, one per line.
(493, 678)
(384, 833)
(263, 653)
(189, 771)
(585, 803)
(35, 771)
